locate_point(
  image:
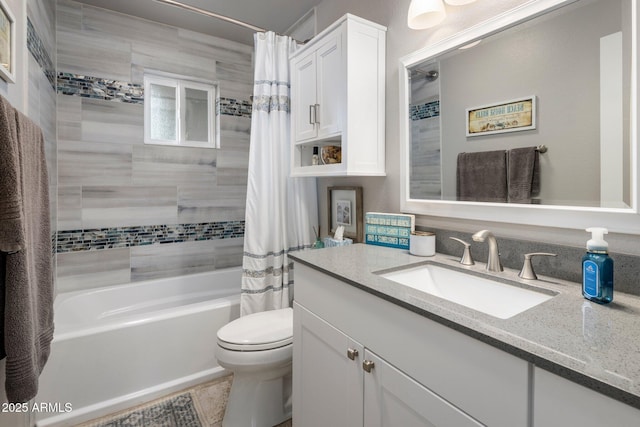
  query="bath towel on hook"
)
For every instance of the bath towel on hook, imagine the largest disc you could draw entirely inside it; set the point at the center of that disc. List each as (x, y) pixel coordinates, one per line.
(26, 282)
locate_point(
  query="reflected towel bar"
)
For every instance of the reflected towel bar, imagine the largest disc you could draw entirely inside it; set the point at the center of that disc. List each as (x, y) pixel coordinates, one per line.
(542, 149)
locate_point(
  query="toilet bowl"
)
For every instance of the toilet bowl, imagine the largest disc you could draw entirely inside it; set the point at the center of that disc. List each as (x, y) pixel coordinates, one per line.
(258, 350)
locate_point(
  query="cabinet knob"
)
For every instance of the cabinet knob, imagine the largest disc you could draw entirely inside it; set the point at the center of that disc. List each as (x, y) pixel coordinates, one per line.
(352, 353)
(368, 365)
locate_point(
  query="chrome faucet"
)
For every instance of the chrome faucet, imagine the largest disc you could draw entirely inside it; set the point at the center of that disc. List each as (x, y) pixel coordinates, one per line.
(493, 262)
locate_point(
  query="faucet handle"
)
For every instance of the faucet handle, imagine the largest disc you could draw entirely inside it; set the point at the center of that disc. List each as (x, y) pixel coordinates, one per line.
(527, 268)
(466, 258)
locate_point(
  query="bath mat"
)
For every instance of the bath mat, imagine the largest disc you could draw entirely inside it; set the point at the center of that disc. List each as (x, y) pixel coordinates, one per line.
(177, 411)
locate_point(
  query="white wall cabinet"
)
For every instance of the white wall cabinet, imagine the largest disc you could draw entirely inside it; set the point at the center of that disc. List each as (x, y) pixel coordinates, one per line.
(558, 402)
(337, 99)
(423, 371)
(318, 90)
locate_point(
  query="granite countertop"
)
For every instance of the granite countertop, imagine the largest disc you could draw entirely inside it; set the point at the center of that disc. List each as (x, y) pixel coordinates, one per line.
(595, 345)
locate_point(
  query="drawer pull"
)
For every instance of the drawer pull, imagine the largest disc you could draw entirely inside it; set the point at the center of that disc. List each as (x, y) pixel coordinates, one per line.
(352, 353)
(368, 365)
(312, 120)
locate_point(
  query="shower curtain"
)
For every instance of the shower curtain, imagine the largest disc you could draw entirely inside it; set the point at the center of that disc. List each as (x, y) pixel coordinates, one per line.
(280, 211)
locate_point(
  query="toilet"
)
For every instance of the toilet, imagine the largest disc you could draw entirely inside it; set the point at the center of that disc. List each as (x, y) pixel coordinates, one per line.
(258, 349)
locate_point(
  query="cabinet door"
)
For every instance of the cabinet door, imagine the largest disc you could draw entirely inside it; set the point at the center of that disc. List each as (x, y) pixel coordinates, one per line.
(331, 97)
(558, 402)
(327, 383)
(303, 97)
(392, 399)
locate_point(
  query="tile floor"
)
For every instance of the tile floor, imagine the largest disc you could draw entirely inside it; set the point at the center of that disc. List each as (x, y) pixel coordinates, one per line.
(209, 399)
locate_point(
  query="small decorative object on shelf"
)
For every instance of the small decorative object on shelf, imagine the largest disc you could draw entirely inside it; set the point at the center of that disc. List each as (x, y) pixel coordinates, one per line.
(422, 243)
(315, 158)
(392, 230)
(318, 244)
(345, 210)
(331, 154)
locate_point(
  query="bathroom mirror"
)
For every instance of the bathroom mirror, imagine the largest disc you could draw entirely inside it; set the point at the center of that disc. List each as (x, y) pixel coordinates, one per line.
(560, 76)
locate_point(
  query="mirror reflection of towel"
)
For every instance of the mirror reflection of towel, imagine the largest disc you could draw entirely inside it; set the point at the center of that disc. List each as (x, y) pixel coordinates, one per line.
(482, 177)
(524, 174)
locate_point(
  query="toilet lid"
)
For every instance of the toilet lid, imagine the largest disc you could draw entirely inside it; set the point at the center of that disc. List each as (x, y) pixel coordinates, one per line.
(258, 331)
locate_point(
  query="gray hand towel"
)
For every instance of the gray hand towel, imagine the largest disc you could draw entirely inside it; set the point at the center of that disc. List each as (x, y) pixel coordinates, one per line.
(28, 281)
(524, 174)
(482, 176)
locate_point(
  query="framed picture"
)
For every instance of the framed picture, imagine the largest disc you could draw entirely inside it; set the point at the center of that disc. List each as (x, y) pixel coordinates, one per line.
(7, 43)
(345, 208)
(509, 116)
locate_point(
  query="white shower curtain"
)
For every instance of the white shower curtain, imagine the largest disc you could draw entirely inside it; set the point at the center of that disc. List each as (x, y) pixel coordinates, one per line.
(281, 211)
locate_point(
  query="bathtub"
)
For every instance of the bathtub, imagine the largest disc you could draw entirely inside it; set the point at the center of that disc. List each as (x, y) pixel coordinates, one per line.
(120, 346)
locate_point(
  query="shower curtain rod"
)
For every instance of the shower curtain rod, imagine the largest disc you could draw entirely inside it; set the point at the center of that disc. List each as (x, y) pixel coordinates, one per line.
(218, 16)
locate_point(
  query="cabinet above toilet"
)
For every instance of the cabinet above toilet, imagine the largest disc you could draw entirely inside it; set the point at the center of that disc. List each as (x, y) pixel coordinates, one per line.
(338, 101)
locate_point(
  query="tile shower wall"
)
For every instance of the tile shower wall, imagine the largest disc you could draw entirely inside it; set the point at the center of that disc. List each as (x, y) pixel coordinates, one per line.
(426, 182)
(41, 103)
(129, 211)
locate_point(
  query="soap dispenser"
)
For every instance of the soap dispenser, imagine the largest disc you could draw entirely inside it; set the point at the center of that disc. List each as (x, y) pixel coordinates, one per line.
(597, 268)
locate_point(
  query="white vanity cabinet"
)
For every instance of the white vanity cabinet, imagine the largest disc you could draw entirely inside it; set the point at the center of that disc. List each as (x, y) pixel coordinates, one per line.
(558, 402)
(337, 99)
(423, 373)
(337, 382)
(328, 377)
(393, 399)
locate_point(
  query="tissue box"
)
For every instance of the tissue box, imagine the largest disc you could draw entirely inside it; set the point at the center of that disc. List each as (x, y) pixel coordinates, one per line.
(330, 242)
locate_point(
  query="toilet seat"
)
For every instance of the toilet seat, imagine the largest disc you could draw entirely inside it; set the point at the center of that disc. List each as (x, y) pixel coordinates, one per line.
(258, 332)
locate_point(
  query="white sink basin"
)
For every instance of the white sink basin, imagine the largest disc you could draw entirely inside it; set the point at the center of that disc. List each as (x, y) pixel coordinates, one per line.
(497, 299)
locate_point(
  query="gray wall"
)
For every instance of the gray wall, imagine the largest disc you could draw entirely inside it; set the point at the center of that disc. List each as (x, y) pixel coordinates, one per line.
(41, 100)
(382, 194)
(130, 211)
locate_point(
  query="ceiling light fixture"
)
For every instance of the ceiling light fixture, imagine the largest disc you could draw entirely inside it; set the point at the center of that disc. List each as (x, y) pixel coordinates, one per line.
(425, 14)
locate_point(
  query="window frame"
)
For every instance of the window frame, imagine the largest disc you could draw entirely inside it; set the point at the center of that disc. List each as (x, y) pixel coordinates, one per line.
(180, 84)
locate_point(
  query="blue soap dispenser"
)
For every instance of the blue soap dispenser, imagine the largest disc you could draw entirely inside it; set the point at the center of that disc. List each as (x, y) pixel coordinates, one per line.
(597, 268)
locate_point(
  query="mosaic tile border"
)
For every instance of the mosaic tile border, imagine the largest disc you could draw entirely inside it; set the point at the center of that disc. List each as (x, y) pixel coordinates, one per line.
(36, 47)
(424, 111)
(124, 237)
(234, 107)
(114, 90)
(99, 88)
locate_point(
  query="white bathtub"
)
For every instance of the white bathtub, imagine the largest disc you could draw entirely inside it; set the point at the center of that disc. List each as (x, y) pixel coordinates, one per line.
(119, 346)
